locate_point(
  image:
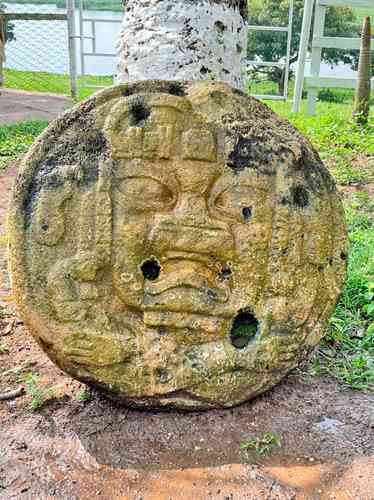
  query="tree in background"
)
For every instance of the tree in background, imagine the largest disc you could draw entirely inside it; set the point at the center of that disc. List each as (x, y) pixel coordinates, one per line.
(272, 46)
(362, 101)
(8, 33)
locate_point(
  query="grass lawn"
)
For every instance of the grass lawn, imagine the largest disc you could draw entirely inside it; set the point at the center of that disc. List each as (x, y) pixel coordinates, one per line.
(361, 13)
(347, 352)
(52, 83)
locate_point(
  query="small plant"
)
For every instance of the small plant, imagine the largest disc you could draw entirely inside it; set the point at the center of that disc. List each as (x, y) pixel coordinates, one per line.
(3, 310)
(261, 445)
(83, 395)
(3, 349)
(39, 395)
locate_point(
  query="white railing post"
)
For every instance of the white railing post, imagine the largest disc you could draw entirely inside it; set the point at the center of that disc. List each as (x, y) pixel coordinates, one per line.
(72, 48)
(304, 41)
(288, 55)
(318, 31)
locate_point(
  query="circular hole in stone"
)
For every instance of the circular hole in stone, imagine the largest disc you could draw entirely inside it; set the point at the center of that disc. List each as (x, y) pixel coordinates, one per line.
(151, 269)
(247, 213)
(244, 329)
(220, 27)
(300, 196)
(225, 274)
(139, 112)
(343, 256)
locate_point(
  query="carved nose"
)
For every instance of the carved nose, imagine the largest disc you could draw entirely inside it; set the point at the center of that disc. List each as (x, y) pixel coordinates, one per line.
(190, 229)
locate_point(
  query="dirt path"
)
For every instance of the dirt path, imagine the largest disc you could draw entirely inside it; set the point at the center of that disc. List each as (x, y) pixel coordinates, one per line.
(18, 106)
(82, 450)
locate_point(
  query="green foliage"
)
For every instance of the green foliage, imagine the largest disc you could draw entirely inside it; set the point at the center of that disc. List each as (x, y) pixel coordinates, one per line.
(3, 312)
(262, 445)
(332, 131)
(347, 352)
(83, 395)
(39, 395)
(3, 349)
(272, 46)
(9, 31)
(16, 139)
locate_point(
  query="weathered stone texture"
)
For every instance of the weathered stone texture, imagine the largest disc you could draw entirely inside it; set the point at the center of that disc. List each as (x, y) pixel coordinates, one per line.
(176, 244)
(190, 40)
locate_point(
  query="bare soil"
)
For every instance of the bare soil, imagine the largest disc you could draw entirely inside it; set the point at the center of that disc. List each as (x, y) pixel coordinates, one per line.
(70, 449)
(17, 106)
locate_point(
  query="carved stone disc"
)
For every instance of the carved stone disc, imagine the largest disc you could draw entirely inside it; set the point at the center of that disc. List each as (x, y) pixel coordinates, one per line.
(176, 244)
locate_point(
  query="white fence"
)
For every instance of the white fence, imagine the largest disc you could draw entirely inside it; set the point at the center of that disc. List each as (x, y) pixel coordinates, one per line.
(315, 81)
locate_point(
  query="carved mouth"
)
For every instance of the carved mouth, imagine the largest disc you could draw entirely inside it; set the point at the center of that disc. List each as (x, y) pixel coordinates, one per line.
(212, 326)
(187, 286)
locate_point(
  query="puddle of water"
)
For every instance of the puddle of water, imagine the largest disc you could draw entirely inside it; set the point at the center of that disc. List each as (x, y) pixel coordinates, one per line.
(329, 425)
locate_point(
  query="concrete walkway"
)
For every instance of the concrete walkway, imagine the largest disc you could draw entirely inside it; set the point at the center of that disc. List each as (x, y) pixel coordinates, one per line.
(18, 106)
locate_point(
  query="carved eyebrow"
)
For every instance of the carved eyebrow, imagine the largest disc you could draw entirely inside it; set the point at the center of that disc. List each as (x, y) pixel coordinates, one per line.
(138, 168)
(147, 177)
(227, 187)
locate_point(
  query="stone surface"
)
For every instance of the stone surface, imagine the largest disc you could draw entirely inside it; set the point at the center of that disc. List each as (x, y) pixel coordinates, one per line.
(183, 40)
(176, 244)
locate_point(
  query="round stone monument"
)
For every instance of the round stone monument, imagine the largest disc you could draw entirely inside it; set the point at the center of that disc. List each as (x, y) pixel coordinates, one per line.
(176, 244)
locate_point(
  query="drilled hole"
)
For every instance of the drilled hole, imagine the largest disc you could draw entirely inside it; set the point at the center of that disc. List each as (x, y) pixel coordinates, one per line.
(300, 196)
(244, 329)
(151, 269)
(220, 27)
(225, 274)
(138, 112)
(176, 88)
(247, 213)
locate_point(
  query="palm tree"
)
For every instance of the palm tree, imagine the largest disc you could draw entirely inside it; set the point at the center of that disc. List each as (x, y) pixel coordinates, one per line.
(183, 40)
(362, 101)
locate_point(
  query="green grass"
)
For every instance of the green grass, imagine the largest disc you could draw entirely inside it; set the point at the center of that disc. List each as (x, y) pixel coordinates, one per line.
(16, 139)
(52, 83)
(348, 349)
(333, 133)
(261, 445)
(38, 394)
(347, 352)
(361, 13)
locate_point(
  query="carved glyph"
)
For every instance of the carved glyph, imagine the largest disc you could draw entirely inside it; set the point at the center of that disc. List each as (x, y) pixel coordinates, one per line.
(187, 250)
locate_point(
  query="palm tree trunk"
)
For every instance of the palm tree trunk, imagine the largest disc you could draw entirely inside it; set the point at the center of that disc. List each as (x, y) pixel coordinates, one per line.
(362, 101)
(183, 40)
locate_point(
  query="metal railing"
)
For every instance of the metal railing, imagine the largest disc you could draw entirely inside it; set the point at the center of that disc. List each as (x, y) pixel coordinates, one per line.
(31, 66)
(93, 38)
(280, 64)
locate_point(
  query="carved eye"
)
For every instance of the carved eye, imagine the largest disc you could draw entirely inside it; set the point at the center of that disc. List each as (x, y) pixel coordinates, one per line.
(236, 203)
(144, 194)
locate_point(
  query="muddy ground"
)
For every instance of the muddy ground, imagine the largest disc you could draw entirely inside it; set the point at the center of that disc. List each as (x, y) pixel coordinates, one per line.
(71, 449)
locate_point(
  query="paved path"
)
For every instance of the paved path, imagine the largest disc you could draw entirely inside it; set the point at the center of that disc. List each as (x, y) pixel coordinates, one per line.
(18, 106)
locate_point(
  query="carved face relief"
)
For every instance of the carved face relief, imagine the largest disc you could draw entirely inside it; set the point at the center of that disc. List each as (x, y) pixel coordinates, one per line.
(186, 252)
(182, 225)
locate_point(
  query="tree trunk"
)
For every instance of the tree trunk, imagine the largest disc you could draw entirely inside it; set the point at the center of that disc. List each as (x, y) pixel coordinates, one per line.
(183, 40)
(362, 101)
(282, 81)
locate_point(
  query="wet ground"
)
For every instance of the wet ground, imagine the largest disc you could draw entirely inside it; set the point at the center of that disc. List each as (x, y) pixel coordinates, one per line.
(71, 449)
